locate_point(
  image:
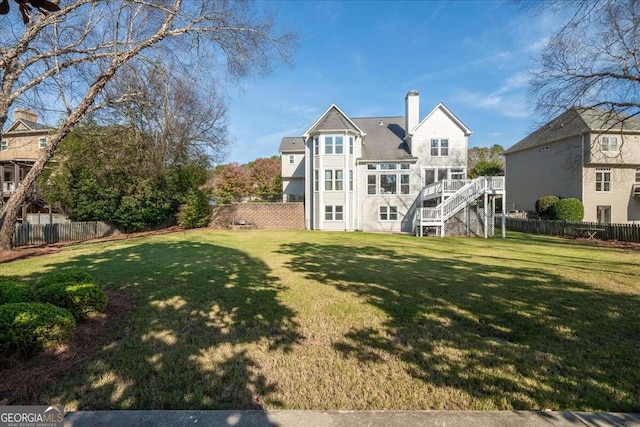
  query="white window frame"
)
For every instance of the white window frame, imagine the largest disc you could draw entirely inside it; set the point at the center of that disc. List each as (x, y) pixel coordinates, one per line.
(387, 213)
(333, 144)
(395, 183)
(316, 146)
(405, 187)
(4, 145)
(333, 180)
(333, 213)
(637, 175)
(374, 185)
(609, 144)
(441, 150)
(316, 180)
(603, 180)
(292, 159)
(338, 148)
(350, 145)
(42, 143)
(350, 179)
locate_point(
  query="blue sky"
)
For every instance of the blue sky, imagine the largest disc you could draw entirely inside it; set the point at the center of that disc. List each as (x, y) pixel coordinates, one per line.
(364, 56)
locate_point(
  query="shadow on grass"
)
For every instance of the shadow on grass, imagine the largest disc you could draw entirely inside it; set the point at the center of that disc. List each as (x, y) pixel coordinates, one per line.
(198, 308)
(511, 338)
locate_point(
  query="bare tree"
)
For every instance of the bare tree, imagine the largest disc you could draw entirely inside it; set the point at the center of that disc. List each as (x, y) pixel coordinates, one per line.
(70, 57)
(593, 61)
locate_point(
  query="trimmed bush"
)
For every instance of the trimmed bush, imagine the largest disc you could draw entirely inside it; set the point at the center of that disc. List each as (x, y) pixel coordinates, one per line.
(81, 299)
(543, 204)
(13, 290)
(65, 276)
(27, 327)
(567, 210)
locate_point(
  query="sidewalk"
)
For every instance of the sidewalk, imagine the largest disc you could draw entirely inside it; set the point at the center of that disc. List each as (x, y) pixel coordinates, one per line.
(348, 418)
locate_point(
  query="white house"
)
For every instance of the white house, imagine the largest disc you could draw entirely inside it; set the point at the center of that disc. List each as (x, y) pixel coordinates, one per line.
(371, 174)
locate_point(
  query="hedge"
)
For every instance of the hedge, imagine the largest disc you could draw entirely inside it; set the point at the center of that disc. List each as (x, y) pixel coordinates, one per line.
(543, 204)
(26, 327)
(81, 299)
(13, 290)
(65, 276)
(567, 210)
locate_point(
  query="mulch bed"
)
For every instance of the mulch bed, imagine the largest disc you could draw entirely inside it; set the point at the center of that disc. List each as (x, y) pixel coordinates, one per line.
(22, 379)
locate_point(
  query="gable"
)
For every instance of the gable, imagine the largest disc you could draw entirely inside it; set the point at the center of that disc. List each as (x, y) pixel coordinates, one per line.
(22, 125)
(333, 119)
(442, 109)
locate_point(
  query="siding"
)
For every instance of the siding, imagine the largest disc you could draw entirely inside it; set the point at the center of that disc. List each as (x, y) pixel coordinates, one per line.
(439, 126)
(543, 171)
(624, 207)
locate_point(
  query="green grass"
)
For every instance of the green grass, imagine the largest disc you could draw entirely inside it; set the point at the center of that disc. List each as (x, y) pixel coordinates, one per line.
(275, 319)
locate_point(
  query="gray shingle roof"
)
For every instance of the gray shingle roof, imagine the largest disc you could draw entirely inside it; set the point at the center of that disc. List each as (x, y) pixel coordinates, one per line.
(384, 142)
(291, 143)
(573, 122)
(333, 120)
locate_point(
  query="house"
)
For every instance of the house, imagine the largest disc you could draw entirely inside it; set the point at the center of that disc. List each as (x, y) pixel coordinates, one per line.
(589, 154)
(20, 147)
(393, 174)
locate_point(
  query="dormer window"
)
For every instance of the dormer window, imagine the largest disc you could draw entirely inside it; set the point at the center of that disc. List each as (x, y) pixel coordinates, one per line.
(609, 144)
(42, 143)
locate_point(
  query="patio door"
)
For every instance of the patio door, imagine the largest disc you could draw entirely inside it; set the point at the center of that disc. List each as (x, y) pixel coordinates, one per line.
(603, 214)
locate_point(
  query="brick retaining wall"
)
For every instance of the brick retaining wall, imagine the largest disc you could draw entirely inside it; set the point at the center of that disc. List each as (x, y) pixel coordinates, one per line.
(274, 216)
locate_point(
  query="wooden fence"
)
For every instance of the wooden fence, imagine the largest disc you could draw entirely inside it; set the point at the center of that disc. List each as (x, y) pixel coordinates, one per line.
(40, 234)
(621, 232)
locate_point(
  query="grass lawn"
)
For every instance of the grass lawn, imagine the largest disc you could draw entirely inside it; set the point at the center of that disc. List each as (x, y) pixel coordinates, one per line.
(277, 319)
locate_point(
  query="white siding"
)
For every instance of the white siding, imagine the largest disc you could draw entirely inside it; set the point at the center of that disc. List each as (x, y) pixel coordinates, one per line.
(439, 126)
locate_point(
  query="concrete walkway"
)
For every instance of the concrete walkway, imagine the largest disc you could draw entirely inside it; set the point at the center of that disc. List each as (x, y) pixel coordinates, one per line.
(348, 418)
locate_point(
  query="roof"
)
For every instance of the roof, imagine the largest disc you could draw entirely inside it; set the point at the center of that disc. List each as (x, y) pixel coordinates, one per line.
(31, 126)
(384, 142)
(576, 121)
(333, 119)
(291, 143)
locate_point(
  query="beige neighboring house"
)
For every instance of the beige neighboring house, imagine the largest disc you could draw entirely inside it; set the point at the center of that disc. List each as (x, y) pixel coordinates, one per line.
(20, 147)
(391, 173)
(584, 153)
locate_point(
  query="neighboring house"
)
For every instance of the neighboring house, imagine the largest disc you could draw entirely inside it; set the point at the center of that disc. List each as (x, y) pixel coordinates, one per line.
(20, 147)
(394, 174)
(589, 154)
(292, 150)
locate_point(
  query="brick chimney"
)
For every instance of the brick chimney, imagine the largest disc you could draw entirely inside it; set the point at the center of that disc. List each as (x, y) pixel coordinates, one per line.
(31, 116)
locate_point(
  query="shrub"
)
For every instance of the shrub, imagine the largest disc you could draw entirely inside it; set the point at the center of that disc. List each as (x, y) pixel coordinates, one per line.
(65, 276)
(195, 212)
(81, 299)
(13, 290)
(543, 204)
(27, 327)
(567, 210)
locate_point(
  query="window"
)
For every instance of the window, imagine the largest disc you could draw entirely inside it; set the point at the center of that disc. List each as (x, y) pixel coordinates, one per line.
(404, 184)
(388, 166)
(405, 166)
(638, 176)
(333, 213)
(316, 183)
(338, 145)
(350, 179)
(328, 180)
(457, 173)
(292, 159)
(388, 213)
(439, 147)
(372, 184)
(372, 166)
(350, 145)
(338, 182)
(609, 144)
(4, 145)
(603, 214)
(388, 184)
(42, 143)
(333, 180)
(316, 146)
(603, 179)
(328, 145)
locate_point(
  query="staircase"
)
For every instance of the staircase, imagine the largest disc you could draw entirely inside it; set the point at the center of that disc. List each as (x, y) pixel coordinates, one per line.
(455, 195)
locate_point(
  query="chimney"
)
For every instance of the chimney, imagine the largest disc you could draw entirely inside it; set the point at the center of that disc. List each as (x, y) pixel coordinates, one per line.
(412, 110)
(31, 116)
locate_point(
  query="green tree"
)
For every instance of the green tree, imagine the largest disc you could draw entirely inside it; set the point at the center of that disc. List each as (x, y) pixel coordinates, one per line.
(486, 168)
(487, 158)
(265, 178)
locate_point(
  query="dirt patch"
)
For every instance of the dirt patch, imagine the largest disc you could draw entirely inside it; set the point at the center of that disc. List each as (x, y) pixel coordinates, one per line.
(629, 246)
(35, 251)
(22, 379)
